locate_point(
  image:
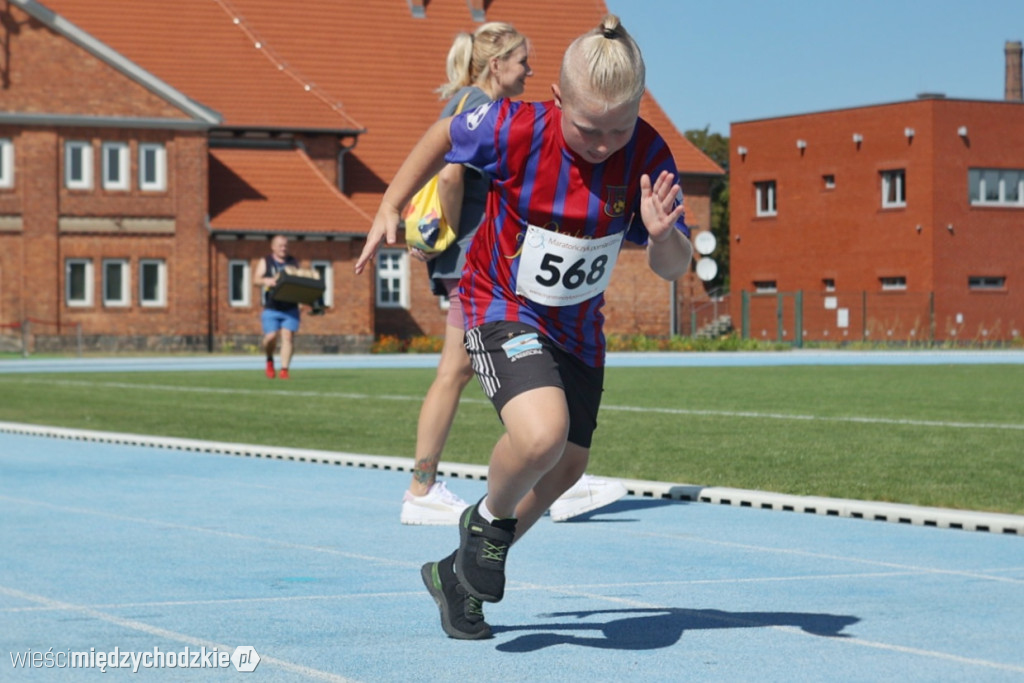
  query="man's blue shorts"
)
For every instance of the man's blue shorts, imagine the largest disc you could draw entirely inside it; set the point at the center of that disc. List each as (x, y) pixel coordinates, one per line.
(276, 320)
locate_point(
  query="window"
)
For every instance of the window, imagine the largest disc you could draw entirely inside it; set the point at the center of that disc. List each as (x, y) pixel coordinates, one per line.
(829, 181)
(152, 282)
(765, 192)
(392, 279)
(996, 187)
(239, 283)
(115, 282)
(894, 189)
(152, 167)
(115, 166)
(829, 284)
(765, 287)
(78, 282)
(6, 163)
(77, 165)
(326, 271)
(986, 282)
(892, 284)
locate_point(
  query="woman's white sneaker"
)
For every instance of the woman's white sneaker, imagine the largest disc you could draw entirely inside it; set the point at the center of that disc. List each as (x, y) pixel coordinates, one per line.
(438, 507)
(586, 495)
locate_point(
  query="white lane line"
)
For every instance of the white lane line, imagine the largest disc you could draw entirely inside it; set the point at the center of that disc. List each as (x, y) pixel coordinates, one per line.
(689, 538)
(513, 586)
(149, 629)
(853, 419)
(214, 532)
(227, 602)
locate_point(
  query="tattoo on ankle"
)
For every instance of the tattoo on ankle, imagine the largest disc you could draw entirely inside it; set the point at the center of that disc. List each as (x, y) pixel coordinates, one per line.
(424, 471)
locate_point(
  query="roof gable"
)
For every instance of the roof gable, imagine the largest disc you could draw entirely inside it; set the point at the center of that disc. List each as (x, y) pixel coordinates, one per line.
(209, 50)
(111, 86)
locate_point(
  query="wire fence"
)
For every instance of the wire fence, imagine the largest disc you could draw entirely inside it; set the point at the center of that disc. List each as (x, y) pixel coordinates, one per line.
(907, 318)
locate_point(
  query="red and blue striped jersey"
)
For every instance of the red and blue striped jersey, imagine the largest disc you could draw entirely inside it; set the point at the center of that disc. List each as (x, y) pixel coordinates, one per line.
(536, 179)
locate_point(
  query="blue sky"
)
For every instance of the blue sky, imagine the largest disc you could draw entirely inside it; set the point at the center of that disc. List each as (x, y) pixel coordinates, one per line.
(714, 62)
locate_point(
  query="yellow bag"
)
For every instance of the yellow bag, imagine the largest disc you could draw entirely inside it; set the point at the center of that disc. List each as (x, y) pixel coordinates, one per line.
(425, 226)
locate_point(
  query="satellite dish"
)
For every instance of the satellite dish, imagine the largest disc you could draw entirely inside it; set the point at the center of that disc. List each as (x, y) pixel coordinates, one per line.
(704, 242)
(707, 269)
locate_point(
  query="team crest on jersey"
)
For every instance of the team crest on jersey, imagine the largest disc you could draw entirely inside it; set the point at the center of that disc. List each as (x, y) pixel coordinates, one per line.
(615, 200)
(477, 115)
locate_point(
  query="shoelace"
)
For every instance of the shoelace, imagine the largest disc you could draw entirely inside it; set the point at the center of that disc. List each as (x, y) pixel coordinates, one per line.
(474, 607)
(495, 552)
(446, 495)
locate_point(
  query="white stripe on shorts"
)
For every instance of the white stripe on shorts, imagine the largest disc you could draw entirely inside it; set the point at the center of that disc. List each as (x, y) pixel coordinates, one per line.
(482, 364)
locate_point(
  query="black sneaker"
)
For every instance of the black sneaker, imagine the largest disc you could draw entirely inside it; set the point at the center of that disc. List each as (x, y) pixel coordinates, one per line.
(480, 559)
(462, 615)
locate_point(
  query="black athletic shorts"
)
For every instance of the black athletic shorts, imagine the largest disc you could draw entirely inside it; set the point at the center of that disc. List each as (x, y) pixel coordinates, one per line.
(510, 358)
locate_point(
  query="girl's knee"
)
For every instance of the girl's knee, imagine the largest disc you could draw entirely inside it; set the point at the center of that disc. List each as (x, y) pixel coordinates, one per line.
(542, 444)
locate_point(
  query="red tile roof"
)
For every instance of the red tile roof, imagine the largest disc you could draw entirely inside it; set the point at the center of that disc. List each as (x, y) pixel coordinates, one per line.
(268, 190)
(196, 47)
(336, 65)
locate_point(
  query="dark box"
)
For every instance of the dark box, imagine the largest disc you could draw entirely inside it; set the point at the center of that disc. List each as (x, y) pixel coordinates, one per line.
(297, 290)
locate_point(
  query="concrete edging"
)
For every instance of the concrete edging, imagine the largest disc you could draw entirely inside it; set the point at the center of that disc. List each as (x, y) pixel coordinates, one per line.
(944, 518)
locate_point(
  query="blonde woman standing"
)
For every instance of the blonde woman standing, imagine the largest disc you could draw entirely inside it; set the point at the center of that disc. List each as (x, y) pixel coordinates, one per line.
(488, 65)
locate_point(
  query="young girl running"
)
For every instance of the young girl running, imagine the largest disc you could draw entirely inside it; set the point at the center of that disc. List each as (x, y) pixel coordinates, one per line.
(571, 179)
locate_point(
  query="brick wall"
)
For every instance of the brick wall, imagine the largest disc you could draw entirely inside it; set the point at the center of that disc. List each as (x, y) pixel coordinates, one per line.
(843, 233)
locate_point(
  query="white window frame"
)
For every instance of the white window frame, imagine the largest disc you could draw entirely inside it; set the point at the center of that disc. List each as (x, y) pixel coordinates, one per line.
(158, 164)
(986, 283)
(121, 297)
(765, 195)
(116, 177)
(81, 149)
(160, 299)
(893, 283)
(6, 163)
(894, 188)
(392, 273)
(979, 179)
(87, 282)
(766, 287)
(326, 270)
(241, 296)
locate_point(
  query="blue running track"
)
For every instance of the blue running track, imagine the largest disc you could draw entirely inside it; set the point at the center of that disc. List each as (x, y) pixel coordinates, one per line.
(187, 552)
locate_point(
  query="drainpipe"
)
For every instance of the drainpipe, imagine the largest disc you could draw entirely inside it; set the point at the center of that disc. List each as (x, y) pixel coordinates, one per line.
(211, 288)
(673, 303)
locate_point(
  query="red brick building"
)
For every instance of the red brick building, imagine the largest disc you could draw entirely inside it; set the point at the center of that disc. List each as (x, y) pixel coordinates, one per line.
(149, 150)
(895, 222)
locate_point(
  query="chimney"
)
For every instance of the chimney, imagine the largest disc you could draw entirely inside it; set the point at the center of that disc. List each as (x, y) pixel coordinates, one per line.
(1013, 75)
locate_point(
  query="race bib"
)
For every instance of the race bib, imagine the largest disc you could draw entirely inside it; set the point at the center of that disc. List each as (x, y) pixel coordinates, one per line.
(559, 270)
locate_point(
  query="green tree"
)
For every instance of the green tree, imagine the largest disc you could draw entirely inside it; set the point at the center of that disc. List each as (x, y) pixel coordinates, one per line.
(716, 147)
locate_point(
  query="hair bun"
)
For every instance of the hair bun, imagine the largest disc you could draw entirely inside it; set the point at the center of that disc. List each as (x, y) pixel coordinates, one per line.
(610, 27)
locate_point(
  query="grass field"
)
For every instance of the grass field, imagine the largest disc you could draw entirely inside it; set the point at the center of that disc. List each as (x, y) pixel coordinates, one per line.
(947, 436)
